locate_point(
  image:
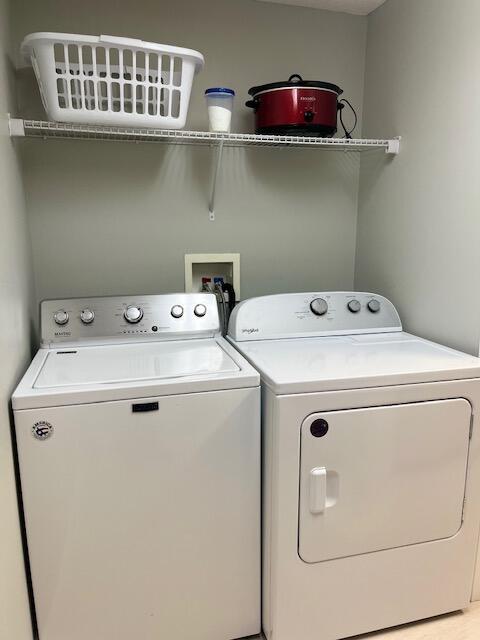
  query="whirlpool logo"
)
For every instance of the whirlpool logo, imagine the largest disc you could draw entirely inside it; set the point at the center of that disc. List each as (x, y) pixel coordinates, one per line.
(249, 331)
(42, 430)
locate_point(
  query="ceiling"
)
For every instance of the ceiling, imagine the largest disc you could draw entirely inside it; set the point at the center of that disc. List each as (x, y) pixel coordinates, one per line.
(358, 7)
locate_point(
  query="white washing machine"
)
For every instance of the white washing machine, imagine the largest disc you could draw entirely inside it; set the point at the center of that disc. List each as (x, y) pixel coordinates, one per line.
(138, 434)
(371, 465)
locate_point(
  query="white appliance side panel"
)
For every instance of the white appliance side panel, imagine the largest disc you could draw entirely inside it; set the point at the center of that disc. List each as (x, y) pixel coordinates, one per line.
(145, 525)
(269, 416)
(382, 477)
(476, 584)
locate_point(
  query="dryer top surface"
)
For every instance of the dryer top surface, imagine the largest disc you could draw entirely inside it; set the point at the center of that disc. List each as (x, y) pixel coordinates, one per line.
(302, 365)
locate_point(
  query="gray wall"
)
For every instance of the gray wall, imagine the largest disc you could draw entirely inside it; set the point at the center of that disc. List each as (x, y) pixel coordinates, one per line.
(115, 217)
(419, 216)
(15, 295)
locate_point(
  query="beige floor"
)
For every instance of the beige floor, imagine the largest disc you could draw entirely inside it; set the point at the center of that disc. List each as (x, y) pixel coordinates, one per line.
(462, 625)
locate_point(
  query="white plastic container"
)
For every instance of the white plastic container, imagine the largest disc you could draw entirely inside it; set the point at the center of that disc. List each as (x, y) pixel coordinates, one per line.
(220, 108)
(112, 81)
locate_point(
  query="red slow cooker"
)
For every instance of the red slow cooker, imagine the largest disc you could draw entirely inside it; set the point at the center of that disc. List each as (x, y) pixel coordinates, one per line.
(296, 107)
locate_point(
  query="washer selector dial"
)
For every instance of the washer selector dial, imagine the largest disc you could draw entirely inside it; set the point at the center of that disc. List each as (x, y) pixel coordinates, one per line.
(354, 306)
(133, 314)
(374, 306)
(87, 316)
(200, 310)
(319, 306)
(177, 311)
(60, 317)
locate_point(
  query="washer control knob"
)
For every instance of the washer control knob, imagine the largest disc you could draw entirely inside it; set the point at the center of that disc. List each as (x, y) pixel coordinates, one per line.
(60, 316)
(354, 306)
(319, 306)
(374, 306)
(200, 310)
(87, 316)
(133, 314)
(177, 311)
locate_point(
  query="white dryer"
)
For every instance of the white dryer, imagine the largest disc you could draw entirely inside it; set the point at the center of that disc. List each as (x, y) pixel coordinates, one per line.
(371, 465)
(138, 434)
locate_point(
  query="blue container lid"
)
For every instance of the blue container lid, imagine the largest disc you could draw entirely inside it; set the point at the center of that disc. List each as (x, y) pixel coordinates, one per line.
(220, 90)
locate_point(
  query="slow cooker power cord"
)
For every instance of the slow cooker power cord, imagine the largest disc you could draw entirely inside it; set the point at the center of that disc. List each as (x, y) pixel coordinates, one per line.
(341, 107)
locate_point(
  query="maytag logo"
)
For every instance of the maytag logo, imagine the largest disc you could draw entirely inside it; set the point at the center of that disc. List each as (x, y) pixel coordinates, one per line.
(250, 330)
(60, 334)
(42, 430)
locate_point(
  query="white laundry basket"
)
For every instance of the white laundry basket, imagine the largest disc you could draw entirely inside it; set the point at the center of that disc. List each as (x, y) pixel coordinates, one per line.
(112, 81)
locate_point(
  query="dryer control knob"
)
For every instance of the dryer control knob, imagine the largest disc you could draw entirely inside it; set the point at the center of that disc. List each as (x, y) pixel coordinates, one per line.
(374, 306)
(60, 316)
(319, 306)
(177, 311)
(200, 310)
(354, 306)
(133, 314)
(87, 316)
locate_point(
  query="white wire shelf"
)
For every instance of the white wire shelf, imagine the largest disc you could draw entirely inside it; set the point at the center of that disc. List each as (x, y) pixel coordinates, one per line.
(43, 129)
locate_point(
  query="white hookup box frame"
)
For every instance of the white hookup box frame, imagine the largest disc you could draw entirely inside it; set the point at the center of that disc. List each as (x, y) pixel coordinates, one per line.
(212, 264)
(112, 81)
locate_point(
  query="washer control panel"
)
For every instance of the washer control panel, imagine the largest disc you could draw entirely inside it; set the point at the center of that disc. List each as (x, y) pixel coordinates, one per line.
(329, 313)
(129, 318)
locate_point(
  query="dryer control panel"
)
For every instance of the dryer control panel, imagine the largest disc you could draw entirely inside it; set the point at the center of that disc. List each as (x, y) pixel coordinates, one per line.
(128, 318)
(297, 315)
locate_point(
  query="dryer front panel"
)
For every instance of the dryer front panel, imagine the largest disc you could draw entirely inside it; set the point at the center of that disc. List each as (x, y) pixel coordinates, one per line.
(384, 477)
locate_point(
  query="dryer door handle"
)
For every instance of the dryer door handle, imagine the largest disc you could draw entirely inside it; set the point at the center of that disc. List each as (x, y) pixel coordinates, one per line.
(318, 490)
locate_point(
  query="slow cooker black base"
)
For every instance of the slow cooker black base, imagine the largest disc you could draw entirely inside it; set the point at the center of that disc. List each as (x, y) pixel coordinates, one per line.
(316, 130)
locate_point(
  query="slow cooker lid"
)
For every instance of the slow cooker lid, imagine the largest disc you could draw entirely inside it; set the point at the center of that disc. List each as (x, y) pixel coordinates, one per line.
(295, 81)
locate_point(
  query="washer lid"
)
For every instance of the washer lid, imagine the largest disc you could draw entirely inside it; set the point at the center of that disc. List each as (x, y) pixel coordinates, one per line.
(302, 365)
(127, 363)
(79, 375)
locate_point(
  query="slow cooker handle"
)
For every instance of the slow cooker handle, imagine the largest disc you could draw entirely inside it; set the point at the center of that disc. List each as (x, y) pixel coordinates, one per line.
(295, 75)
(253, 104)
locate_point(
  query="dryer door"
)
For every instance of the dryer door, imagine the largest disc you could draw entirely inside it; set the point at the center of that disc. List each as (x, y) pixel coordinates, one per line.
(383, 477)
